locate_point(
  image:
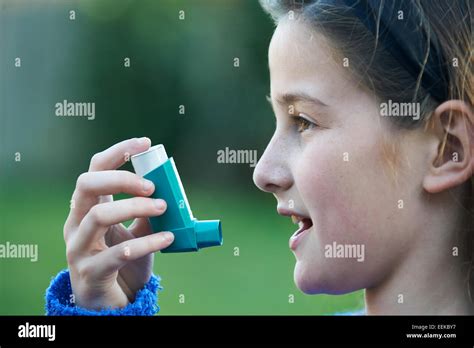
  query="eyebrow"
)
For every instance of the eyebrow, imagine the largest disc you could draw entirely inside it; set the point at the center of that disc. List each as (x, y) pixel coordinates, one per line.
(291, 98)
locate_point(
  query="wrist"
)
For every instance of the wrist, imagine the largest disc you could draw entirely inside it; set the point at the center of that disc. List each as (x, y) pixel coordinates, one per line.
(61, 301)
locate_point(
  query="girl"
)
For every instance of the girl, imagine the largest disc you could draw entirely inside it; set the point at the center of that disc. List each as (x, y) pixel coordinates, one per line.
(372, 156)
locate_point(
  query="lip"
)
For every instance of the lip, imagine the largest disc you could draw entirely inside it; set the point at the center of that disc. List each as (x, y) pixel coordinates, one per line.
(288, 212)
(297, 237)
(305, 226)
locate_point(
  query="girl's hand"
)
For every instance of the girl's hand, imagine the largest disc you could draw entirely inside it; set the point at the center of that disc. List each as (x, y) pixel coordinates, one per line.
(109, 263)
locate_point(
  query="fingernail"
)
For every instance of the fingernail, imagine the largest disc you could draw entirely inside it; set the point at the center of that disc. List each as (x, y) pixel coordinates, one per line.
(160, 204)
(143, 140)
(168, 236)
(147, 185)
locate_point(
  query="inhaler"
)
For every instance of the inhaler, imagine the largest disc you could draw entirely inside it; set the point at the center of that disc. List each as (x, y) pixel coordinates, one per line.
(190, 234)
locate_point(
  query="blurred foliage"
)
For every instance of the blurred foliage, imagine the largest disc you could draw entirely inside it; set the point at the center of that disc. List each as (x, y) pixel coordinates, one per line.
(174, 62)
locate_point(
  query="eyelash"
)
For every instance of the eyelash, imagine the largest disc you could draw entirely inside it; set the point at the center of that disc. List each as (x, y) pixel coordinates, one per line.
(302, 124)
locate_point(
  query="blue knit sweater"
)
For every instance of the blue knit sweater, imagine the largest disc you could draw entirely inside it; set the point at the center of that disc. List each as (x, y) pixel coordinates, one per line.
(59, 299)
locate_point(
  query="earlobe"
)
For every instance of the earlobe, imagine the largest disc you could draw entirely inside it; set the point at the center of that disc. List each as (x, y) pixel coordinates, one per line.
(454, 155)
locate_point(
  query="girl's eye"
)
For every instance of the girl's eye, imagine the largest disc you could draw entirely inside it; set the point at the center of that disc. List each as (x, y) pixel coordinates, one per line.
(302, 124)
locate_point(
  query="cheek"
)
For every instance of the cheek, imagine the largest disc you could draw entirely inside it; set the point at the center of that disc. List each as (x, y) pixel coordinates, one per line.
(330, 179)
(348, 200)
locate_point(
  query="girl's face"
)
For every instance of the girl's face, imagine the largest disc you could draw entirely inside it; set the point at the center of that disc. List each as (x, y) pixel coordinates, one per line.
(333, 162)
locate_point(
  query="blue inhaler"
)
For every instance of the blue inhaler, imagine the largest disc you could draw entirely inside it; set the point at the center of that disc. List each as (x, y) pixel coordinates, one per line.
(190, 234)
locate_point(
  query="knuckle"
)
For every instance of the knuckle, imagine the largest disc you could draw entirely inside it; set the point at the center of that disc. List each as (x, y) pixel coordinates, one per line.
(95, 214)
(85, 270)
(71, 254)
(130, 180)
(139, 205)
(66, 231)
(156, 243)
(96, 158)
(81, 183)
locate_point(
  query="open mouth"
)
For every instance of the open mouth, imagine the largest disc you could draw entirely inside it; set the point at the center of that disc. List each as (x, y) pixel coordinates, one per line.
(303, 224)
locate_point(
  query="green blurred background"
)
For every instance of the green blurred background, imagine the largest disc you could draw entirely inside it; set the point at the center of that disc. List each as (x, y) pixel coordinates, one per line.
(174, 62)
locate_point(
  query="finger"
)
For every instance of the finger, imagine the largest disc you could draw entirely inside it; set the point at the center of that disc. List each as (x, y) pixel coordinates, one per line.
(114, 258)
(110, 182)
(108, 159)
(102, 216)
(118, 154)
(140, 227)
(91, 185)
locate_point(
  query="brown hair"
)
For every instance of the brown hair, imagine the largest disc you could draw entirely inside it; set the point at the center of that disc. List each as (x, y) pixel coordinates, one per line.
(375, 69)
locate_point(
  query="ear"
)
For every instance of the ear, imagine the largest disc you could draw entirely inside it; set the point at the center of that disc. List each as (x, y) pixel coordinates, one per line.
(453, 158)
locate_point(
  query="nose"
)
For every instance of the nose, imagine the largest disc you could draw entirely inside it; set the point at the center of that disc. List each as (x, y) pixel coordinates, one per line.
(272, 173)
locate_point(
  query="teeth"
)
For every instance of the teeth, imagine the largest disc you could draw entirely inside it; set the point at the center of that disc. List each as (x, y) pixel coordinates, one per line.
(295, 219)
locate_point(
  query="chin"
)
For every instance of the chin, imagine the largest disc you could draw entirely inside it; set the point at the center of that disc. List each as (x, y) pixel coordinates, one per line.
(313, 282)
(308, 282)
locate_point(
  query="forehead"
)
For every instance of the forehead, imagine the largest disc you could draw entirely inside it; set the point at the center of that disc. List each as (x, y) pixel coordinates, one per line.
(301, 58)
(298, 40)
